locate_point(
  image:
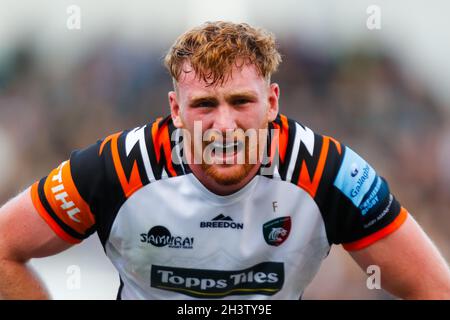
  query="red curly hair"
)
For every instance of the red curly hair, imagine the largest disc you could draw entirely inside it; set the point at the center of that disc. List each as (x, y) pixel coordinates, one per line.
(213, 48)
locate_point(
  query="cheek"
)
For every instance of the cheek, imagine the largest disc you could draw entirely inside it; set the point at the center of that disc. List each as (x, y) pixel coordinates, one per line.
(254, 117)
(194, 119)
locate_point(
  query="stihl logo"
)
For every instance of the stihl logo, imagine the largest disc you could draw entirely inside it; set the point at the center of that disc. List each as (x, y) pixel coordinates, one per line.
(61, 195)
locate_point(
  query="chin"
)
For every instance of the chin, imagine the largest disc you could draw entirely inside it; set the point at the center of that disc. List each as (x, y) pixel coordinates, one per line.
(228, 175)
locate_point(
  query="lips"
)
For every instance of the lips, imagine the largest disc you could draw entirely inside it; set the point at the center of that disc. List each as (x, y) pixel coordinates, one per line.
(229, 148)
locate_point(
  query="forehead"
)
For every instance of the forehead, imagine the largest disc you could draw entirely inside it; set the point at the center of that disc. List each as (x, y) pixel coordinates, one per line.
(245, 78)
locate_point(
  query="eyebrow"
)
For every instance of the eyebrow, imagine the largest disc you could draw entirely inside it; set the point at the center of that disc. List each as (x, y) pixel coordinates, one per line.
(250, 95)
(197, 100)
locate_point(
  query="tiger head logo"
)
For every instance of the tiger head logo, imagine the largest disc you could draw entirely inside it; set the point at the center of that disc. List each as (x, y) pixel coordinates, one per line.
(277, 234)
(276, 231)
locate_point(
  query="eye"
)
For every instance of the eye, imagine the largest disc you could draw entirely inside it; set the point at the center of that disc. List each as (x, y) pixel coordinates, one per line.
(241, 101)
(205, 104)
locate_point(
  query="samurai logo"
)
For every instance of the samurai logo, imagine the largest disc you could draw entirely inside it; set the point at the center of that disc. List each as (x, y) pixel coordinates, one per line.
(160, 236)
(276, 231)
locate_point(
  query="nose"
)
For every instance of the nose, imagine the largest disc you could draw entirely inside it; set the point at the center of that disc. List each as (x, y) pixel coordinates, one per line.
(224, 119)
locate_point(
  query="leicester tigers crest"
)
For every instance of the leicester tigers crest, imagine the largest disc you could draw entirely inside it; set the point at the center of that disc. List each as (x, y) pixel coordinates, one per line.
(277, 230)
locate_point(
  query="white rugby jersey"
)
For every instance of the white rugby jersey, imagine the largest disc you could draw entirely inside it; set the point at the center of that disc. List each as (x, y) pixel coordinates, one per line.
(171, 238)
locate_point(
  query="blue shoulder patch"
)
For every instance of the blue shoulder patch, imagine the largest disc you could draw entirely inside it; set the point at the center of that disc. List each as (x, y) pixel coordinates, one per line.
(377, 193)
(355, 177)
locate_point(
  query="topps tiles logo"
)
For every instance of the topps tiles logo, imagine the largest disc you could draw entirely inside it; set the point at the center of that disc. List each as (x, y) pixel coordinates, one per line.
(265, 278)
(160, 236)
(222, 222)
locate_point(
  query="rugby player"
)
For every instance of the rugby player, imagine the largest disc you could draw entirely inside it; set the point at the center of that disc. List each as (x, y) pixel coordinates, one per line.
(183, 218)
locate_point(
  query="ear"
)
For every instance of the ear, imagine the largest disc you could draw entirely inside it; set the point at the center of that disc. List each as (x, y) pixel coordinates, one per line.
(175, 109)
(274, 95)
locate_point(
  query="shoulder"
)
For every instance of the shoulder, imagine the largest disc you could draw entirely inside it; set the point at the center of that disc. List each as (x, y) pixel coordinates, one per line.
(306, 158)
(83, 193)
(141, 155)
(354, 200)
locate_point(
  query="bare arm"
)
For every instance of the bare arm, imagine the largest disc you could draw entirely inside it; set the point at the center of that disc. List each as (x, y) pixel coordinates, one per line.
(411, 266)
(24, 235)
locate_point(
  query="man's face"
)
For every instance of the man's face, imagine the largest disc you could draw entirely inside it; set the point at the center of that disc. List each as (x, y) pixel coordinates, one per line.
(244, 101)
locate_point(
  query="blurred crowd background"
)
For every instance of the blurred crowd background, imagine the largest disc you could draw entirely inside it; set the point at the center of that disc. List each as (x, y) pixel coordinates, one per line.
(361, 92)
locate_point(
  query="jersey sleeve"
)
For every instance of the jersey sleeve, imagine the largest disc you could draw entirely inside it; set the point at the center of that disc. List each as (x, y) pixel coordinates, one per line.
(66, 197)
(359, 206)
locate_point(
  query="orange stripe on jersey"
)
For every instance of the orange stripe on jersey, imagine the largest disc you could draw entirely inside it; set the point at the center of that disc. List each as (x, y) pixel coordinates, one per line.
(160, 136)
(338, 145)
(165, 139)
(65, 200)
(390, 228)
(49, 220)
(135, 182)
(280, 138)
(284, 136)
(305, 181)
(155, 137)
(107, 139)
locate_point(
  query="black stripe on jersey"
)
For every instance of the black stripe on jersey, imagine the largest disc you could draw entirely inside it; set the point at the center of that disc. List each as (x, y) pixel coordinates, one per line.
(183, 167)
(158, 167)
(266, 164)
(97, 182)
(112, 199)
(89, 170)
(351, 229)
(135, 156)
(310, 161)
(162, 163)
(332, 164)
(166, 123)
(52, 213)
(326, 200)
(172, 131)
(291, 138)
(151, 151)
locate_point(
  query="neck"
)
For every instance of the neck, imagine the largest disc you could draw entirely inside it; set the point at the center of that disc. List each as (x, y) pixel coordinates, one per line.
(217, 188)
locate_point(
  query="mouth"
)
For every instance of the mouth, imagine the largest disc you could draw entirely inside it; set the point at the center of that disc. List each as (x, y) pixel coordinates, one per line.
(226, 150)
